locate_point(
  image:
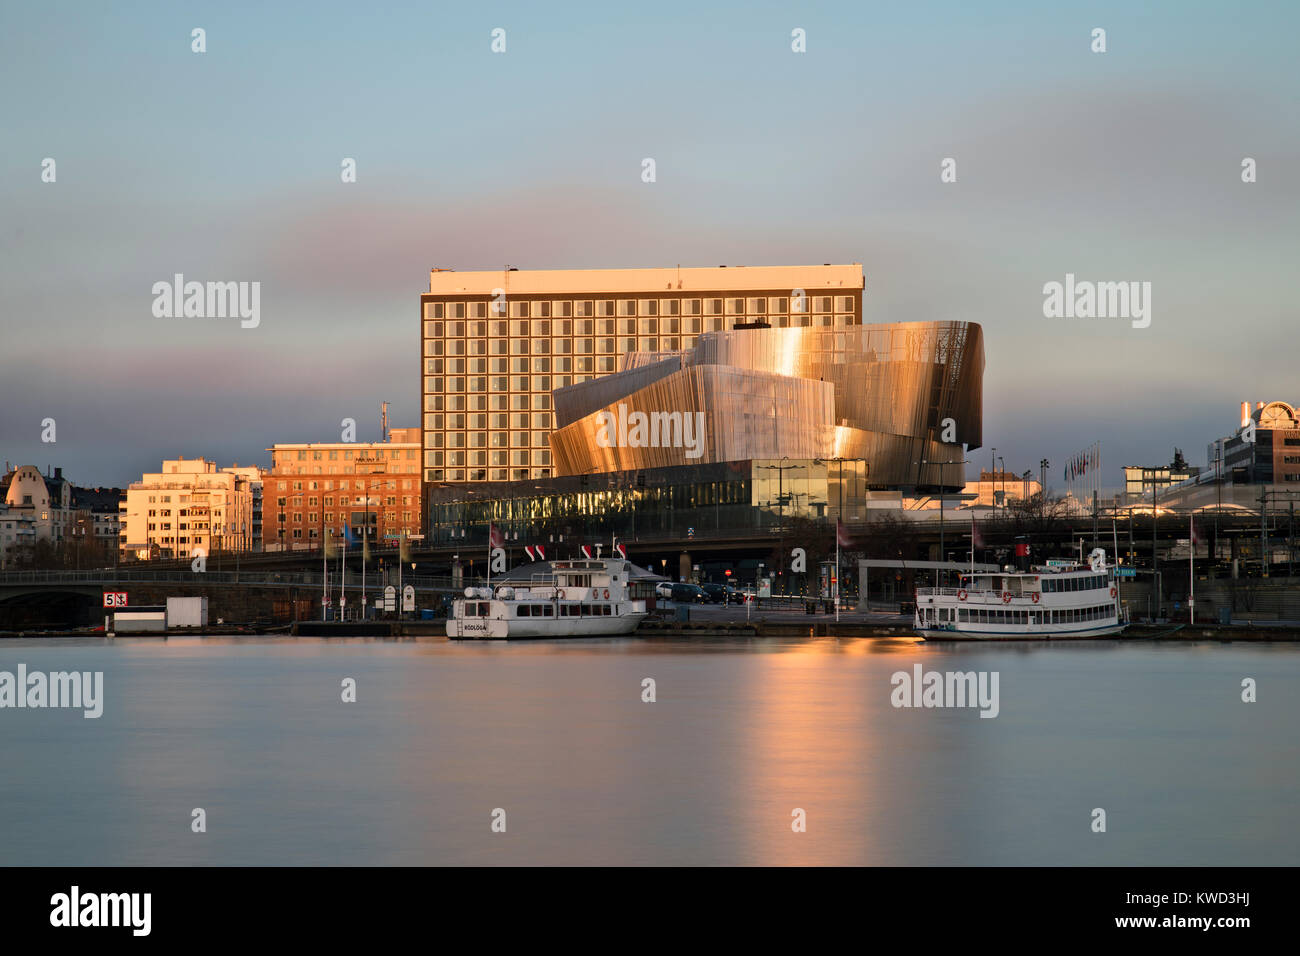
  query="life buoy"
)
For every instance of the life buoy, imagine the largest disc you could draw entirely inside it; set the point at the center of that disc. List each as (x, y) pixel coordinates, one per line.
(560, 594)
(961, 594)
(1006, 597)
(606, 594)
(1113, 590)
(1036, 597)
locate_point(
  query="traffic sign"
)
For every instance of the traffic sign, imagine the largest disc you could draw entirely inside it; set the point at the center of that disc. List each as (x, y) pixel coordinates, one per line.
(115, 599)
(1126, 572)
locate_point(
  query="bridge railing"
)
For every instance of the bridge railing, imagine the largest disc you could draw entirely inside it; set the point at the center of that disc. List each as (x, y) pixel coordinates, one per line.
(110, 579)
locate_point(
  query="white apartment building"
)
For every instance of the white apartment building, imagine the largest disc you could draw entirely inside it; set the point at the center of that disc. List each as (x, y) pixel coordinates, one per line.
(190, 507)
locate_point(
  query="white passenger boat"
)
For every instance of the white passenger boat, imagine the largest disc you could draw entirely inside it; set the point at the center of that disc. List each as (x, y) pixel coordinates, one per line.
(1062, 599)
(582, 598)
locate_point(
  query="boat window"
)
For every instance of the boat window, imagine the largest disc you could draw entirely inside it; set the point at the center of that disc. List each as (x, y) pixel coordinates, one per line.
(548, 610)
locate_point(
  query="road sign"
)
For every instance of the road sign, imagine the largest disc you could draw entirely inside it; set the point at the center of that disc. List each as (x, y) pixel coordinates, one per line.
(408, 598)
(115, 599)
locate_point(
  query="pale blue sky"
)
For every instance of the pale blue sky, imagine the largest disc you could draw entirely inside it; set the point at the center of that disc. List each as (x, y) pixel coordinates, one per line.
(225, 165)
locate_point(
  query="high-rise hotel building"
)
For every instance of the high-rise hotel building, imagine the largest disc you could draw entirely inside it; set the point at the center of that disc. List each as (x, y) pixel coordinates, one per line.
(495, 345)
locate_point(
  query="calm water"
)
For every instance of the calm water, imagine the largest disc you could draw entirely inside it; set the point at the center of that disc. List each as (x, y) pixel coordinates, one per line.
(255, 732)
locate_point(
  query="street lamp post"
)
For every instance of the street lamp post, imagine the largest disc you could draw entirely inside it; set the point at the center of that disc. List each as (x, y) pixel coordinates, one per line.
(1043, 465)
(993, 467)
(780, 500)
(924, 461)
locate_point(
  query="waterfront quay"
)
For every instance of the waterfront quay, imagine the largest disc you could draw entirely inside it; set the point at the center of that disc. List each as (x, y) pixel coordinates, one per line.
(271, 589)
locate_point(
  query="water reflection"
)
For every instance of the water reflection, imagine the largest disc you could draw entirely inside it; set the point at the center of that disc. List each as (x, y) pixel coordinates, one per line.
(743, 731)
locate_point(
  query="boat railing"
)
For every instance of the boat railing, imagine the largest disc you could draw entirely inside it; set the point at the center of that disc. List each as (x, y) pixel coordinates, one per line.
(976, 595)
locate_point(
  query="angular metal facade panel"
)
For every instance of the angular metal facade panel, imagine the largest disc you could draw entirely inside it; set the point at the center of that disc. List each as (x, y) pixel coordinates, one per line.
(577, 401)
(903, 378)
(878, 393)
(730, 410)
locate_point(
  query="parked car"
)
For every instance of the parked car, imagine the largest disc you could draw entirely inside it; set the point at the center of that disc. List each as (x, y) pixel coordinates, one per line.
(723, 594)
(664, 589)
(716, 593)
(689, 594)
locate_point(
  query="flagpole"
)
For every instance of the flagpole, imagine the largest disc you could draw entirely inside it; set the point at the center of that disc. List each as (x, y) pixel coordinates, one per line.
(972, 541)
(1191, 565)
(325, 575)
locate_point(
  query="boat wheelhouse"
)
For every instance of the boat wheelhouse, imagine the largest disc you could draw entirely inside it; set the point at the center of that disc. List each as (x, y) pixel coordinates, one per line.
(1062, 599)
(582, 598)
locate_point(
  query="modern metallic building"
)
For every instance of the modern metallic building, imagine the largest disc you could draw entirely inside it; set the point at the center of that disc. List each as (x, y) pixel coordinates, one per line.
(656, 402)
(881, 394)
(495, 345)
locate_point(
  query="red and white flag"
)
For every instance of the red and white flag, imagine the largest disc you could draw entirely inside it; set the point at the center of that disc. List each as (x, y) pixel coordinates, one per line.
(495, 538)
(621, 549)
(1191, 525)
(977, 539)
(842, 536)
(540, 551)
(586, 551)
(528, 550)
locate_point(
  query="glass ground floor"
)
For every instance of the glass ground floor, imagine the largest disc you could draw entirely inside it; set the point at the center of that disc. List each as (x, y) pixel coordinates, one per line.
(741, 497)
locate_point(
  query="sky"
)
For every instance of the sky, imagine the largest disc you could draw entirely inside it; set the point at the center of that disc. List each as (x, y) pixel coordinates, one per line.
(225, 165)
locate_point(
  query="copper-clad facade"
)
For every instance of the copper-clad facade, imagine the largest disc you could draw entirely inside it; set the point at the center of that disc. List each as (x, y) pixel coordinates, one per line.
(885, 394)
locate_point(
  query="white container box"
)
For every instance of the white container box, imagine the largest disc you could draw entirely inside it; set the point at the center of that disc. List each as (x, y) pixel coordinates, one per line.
(187, 612)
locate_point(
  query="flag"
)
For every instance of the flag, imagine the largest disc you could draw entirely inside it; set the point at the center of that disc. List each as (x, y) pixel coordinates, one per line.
(841, 536)
(495, 538)
(404, 549)
(528, 550)
(586, 551)
(541, 552)
(621, 549)
(347, 535)
(1191, 526)
(330, 547)
(365, 544)
(977, 539)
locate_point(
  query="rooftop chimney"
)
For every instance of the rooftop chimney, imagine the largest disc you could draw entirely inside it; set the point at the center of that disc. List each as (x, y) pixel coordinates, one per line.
(1245, 414)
